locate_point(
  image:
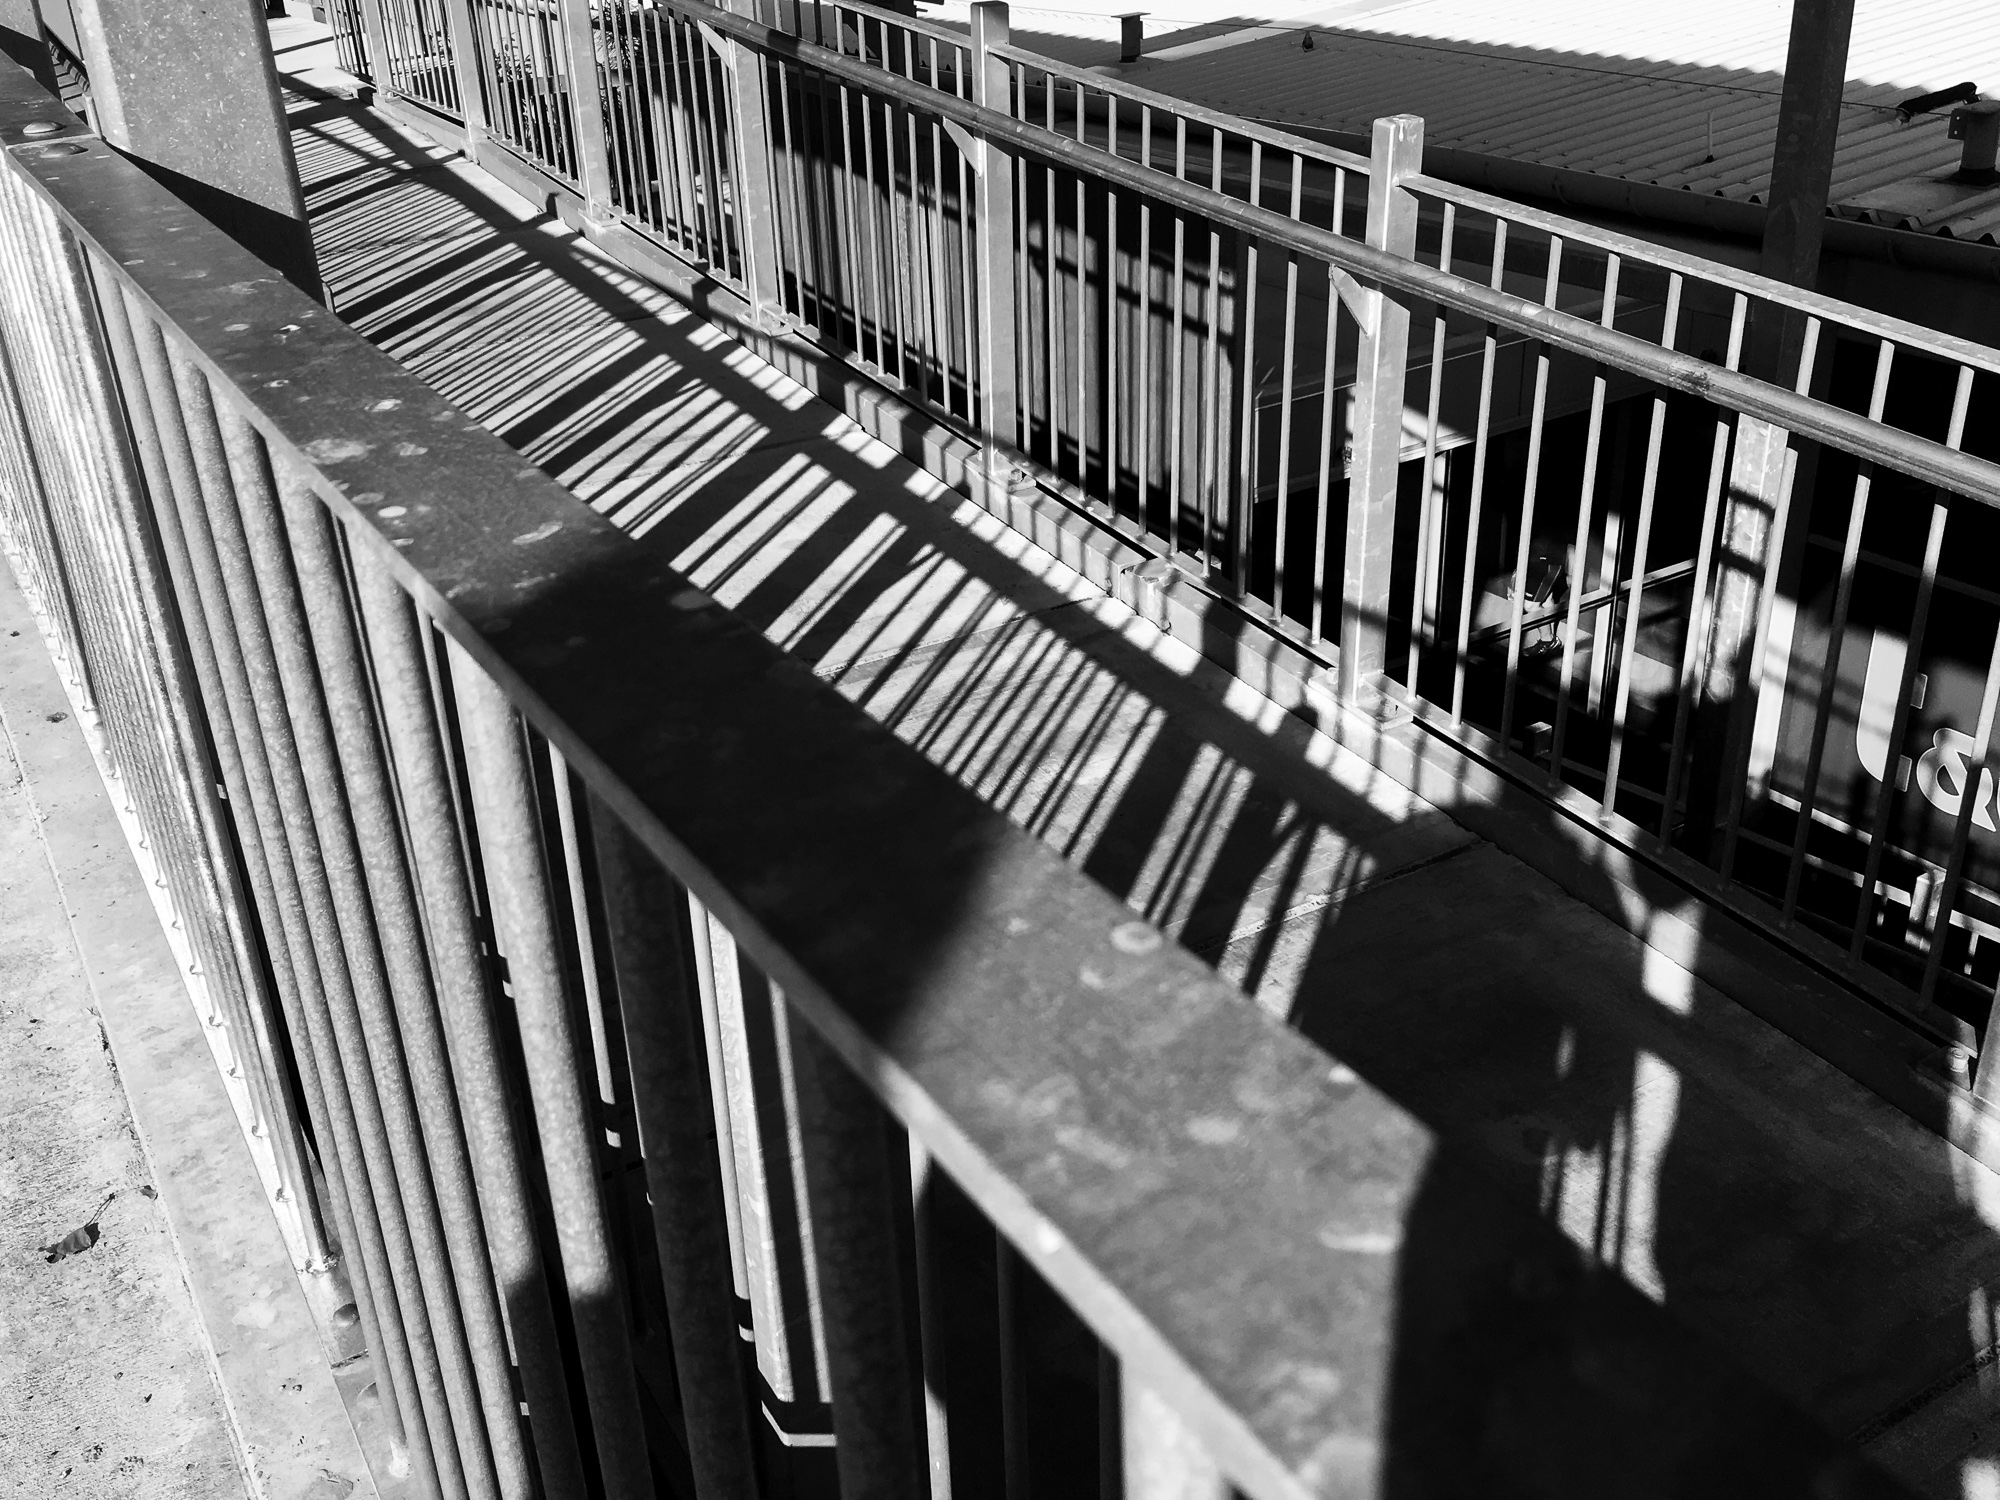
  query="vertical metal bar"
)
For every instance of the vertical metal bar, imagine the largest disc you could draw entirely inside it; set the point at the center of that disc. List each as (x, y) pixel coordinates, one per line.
(266, 860)
(847, 1175)
(460, 970)
(183, 695)
(1211, 473)
(1286, 361)
(1586, 517)
(1176, 406)
(930, 1321)
(586, 96)
(1013, 1382)
(525, 924)
(998, 388)
(1756, 672)
(364, 1017)
(1244, 511)
(967, 270)
(1843, 598)
(1628, 649)
(1081, 322)
(229, 603)
(1978, 768)
(1052, 345)
(1115, 404)
(1482, 434)
(1382, 359)
(468, 71)
(424, 1095)
(1878, 833)
(1698, 611)
(1430, 527)
(647, 920)
(1530, 489)
(1142, 400)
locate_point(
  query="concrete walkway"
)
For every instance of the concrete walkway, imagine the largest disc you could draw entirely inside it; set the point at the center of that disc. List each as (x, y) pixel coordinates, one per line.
(106, 1381)
(1836, 1248)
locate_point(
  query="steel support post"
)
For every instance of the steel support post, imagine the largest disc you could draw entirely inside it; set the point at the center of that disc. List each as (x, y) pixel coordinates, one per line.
(1808, 130)
(192, 90)
(756, 182)
(1381, 366)
(466, 71)
(993, 237)
(586, 102)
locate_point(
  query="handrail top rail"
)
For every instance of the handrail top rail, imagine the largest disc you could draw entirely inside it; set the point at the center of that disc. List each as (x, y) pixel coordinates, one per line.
(915, 25)
(1921, 458)
(1916, 336)
(1256, 130)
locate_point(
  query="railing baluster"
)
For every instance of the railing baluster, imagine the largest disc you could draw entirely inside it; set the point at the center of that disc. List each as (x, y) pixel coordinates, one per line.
(1382, 358)
(647, 919)
(1628, 649)
(1698, 610)
(365, 1023)
(1481, 443)
(419, 1079)
(1579, 573)
(524, 921)
(1530, 487)
(847, 1172)
(999, 393)
(1285, 375)
(461, 971)
(231, 602)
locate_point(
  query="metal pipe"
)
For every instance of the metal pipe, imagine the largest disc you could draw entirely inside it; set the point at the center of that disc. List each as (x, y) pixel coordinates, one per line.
(364, 1018)
(524, 920)
(878, 1452)
(647, 919)
(460, 970)
(214, 527)
(500, 1460)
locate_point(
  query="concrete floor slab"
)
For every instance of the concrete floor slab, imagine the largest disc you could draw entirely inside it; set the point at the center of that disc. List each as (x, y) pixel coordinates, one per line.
(180, 1351)
(105, 1383)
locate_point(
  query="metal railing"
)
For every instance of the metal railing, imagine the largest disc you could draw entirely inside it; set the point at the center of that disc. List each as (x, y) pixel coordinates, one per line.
(1662, 540)
(670, 1062)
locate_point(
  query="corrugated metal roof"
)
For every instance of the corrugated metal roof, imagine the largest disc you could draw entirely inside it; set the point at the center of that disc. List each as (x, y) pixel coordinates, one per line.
(1683, 96)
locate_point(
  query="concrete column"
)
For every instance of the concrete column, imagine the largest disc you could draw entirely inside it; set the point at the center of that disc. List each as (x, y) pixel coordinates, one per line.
(1808, 128)
(191, 93)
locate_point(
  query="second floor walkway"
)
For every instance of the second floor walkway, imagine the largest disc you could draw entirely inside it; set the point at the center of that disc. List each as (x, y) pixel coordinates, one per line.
(1452, 951)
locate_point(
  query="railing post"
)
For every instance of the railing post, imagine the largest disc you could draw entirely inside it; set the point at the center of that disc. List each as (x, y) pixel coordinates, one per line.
(1381, 364)
(586, 101)
(993, 211)
(467, 73)
(757, 191)
(195, 90)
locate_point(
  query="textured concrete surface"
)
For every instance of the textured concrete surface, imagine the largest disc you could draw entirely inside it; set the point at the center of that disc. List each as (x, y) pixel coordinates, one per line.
(90, 919)
(1810, 1229)
(106, 1388)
